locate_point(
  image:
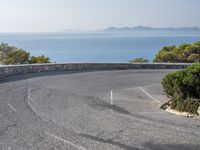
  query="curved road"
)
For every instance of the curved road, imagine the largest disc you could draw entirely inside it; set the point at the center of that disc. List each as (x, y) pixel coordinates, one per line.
(103, 110)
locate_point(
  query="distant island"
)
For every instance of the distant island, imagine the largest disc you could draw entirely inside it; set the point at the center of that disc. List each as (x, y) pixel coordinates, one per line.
(143, 28)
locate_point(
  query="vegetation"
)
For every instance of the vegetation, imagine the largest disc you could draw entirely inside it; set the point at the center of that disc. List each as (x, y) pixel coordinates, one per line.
(13, 55)
(184, 53)
(39, 59)
(184, 88)
(139, 60)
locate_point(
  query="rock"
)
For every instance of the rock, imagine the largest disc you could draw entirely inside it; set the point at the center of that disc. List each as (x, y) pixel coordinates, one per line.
(190, 115)
(198, 111)
(170, 103)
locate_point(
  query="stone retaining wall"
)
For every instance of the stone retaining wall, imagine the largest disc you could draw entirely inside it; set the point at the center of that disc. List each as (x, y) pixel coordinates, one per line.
(35, 68)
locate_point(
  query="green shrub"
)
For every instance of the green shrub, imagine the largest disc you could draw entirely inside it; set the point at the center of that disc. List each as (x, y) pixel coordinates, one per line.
(10, 55)
(191, 105)
(184, 53)
(18, 56)
(184, 88)
(39, 59)
(139, 60)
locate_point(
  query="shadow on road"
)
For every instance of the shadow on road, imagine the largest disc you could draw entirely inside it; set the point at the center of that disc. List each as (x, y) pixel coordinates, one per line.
(153, 146)
(109, 141)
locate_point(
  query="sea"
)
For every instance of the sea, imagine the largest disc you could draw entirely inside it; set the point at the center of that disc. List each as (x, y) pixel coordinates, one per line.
(86, 47)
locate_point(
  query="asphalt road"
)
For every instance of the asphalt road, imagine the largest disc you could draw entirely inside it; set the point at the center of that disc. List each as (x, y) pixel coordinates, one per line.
(78, 111)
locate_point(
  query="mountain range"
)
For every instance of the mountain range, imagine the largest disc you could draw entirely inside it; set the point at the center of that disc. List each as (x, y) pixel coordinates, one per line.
(143, 28)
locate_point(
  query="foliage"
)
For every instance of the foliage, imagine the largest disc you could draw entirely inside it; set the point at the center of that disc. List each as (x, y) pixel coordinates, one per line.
(184, 88)
(17, 57)
(39, 59)
(140, 60)
(13, 55)
(184, 53)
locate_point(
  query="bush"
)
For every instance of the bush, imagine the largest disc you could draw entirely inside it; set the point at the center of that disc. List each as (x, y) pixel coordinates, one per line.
(18, 56)
(184, 88)
(184, 53)
(13, 55)
(139, 60)
(191, 105)
(39, 59)
(10, 55)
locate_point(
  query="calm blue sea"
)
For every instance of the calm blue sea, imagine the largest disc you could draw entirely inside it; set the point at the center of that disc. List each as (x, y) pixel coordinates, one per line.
(95, 47)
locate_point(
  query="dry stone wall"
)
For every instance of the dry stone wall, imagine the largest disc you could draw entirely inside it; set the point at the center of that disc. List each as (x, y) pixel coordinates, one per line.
(36, 68)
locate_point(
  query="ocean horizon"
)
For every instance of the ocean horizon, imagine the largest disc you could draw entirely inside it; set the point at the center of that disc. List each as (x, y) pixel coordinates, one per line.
(96, 46)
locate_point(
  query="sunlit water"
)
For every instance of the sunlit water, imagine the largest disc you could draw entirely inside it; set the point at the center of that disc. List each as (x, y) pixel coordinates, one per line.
(95, 47)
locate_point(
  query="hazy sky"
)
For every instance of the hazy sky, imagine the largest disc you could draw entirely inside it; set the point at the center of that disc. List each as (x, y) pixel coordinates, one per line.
(58, 15)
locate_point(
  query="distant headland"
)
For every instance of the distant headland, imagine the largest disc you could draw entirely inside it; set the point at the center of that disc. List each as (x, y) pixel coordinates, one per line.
(146, 28)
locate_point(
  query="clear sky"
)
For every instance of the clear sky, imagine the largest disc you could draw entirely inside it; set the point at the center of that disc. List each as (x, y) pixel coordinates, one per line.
(58, 15)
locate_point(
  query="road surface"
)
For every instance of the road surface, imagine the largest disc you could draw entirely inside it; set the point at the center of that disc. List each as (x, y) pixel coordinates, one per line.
(102, 110)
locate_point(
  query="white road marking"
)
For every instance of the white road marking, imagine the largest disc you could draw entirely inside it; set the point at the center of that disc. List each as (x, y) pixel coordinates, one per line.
(111, 97)
(66, 141)
(156, 84)
(125, 100)
(11, 106)
(143, 90)
(152, 85)
(28, 94)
